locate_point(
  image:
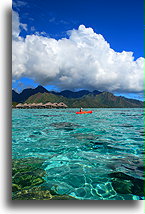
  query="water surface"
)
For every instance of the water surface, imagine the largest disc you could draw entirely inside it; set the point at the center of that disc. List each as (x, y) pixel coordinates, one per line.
(81, 152)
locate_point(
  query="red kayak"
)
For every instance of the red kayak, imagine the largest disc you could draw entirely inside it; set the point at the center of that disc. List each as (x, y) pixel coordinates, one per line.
(84, 112)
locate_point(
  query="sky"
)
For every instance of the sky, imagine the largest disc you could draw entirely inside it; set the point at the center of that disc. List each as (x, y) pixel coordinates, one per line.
(79, 44)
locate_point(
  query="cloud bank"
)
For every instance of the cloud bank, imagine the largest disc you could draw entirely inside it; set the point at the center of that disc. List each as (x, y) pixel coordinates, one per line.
(84, 60)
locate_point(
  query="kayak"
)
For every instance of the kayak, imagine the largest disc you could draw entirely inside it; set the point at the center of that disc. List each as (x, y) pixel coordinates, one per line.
(84, 112)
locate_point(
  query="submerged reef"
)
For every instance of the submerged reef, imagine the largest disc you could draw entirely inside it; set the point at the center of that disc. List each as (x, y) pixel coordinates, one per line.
(125, 184)
(28, 179)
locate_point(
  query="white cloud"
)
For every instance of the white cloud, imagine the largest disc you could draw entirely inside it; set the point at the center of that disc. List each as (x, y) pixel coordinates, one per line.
(84, 60)
(24, 26)
(17, 26)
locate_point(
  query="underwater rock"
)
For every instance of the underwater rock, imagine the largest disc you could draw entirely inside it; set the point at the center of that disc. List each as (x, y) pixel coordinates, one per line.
(27, 179)
(125, 184)
(141, 168)
(27, 176)
(82, 136)
(27, 162)
(26, 173)
(131, 166)
(120, 175)
(112, 148)
(142, 133)
(111, 166)
(122, 186)
(63, 197)
(38, 193)
(96, 143)
(32, 136)
(28, 165)
(65, 125)
(35, 193)
(15, 187)
(51, 115)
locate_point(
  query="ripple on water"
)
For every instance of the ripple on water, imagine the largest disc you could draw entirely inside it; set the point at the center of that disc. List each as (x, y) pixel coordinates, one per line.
(97, 156)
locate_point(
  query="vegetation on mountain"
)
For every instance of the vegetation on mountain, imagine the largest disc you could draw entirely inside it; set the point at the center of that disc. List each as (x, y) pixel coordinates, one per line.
(103, 100)
(82, 98)
(77, 94)
(26, 93)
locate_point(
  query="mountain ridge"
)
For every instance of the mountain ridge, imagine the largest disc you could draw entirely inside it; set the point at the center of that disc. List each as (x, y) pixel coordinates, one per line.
(82, 98)
(77, 94)
(103, 100)
(26, 93)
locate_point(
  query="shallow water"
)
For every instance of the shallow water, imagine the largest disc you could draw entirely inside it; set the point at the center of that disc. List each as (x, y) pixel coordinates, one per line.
(81, 151)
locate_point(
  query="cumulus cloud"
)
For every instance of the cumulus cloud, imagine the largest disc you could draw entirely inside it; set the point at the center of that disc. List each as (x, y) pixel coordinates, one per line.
(17, 26)
(84, 60)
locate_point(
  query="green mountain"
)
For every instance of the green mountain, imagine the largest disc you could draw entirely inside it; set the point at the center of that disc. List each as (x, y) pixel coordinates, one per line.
(102, 100)
(26, 93)
(45, 97)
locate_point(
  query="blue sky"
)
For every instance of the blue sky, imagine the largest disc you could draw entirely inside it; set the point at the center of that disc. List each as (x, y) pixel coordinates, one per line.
(119, 22)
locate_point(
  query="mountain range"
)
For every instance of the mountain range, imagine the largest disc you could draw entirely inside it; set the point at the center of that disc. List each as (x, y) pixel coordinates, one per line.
(82, 98)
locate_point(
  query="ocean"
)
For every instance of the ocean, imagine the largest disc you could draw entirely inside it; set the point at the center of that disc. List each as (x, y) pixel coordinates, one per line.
(96, 156)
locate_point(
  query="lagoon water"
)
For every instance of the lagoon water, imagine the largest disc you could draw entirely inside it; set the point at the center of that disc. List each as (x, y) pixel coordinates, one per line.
(81, 152)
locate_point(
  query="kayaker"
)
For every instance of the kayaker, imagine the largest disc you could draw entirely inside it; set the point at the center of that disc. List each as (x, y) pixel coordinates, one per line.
(81, 109)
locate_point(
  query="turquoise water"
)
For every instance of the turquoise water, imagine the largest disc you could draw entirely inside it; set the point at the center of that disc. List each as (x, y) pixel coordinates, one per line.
(81, 151)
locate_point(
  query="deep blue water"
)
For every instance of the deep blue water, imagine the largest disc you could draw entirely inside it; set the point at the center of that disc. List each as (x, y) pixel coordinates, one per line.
(80, 151)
